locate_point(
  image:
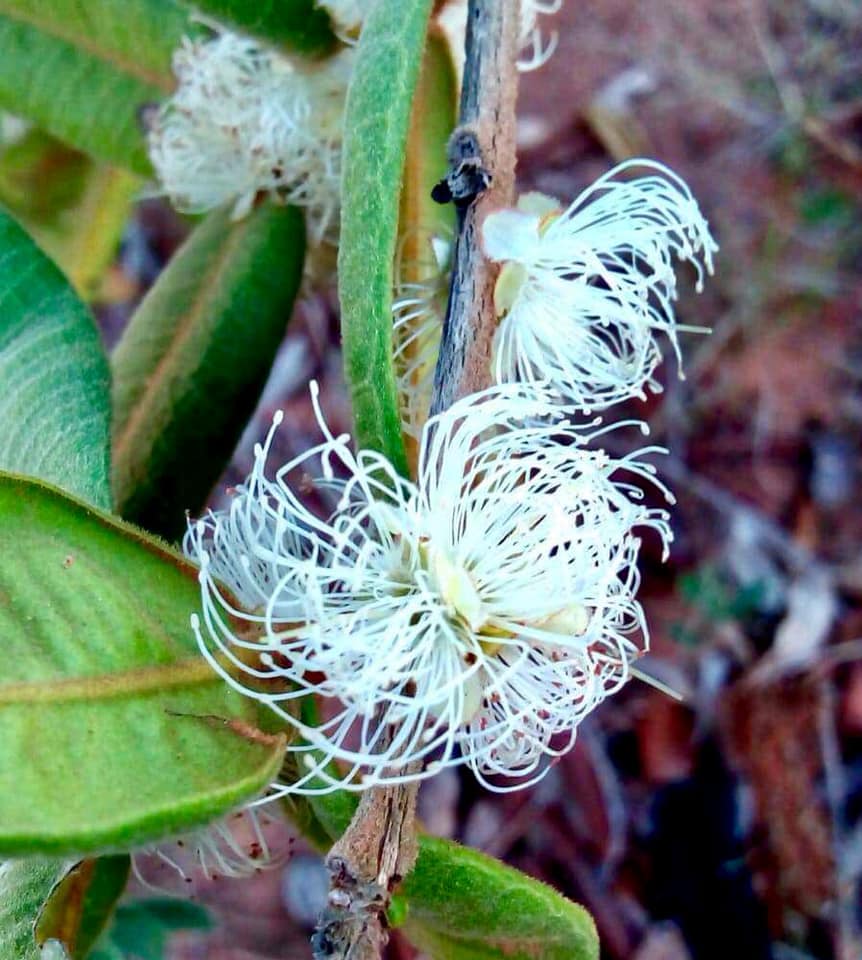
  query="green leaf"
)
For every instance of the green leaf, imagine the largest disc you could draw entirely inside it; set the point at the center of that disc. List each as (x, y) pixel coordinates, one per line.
(25, 885)
(82, 903)
(42, 899)
(72, 206)
(54, 409)
(193, 361)
(86, 238)
(39, 176)
(464, 905)
(107, 950)
(141, 928)
(299, 25)
(333, 811)
(170, 913)
(377, 119)
(82, 69)
(137, 37)
(303, 817)
(115, 731)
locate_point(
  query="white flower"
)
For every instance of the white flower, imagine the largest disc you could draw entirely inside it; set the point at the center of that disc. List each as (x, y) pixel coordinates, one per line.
(475, 616)
(583, 293)
(245, 120)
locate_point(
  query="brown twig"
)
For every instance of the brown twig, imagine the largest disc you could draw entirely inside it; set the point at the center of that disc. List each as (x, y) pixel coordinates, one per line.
(481, 179)
(375, 852)
(379, 846)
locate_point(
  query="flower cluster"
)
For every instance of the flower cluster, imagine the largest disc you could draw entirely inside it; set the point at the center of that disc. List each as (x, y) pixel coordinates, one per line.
(246, 120)
(476, 614)
(472, 617)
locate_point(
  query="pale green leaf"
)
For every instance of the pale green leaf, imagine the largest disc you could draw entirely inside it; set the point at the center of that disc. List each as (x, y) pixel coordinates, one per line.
(463, 905)
(54, 407)
(115, 731)
(25, 885)
(83, 69)
(376, 124)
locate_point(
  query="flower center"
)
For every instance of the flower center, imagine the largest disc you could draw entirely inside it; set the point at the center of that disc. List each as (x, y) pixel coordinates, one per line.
(572, 620)
(509, 282)
(456, 588)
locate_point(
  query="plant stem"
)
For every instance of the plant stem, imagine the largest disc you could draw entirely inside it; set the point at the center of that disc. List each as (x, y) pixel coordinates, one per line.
(375, 852)
(485, 140)
(379, 846)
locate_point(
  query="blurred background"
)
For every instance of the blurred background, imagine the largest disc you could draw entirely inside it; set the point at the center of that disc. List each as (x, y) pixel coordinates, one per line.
(728, 824)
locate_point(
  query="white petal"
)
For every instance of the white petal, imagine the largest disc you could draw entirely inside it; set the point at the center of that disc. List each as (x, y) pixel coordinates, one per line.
(511, 235)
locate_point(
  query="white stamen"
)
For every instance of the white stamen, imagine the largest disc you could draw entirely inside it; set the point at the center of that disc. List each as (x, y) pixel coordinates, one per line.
(418, 308)
(477, 613)
(594, 285)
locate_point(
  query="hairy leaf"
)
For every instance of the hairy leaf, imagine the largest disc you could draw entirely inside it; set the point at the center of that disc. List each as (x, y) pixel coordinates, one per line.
(115, 731)
(25, 885)
(464, 905)
(376, 124)
(299, 25)
(192, 362)
(54, 407)
(137, 37)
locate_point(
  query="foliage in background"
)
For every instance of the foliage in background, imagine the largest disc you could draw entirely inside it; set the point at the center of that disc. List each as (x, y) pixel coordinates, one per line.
(142, 928)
